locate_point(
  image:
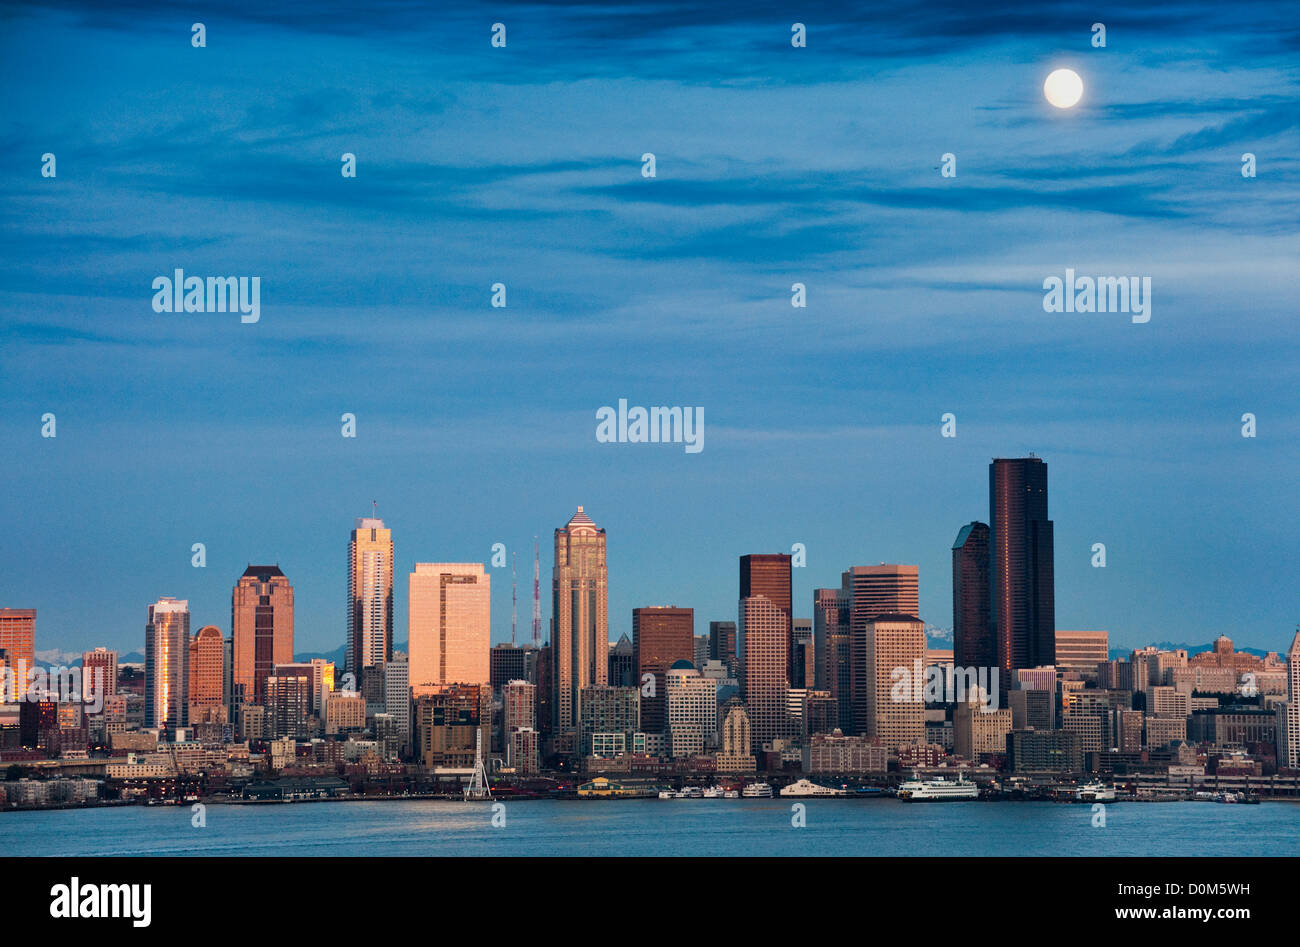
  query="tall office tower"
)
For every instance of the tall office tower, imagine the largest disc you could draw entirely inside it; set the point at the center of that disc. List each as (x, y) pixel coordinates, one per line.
(973, 644)
(261, 623)
(763, 650)
(701, 650)
(661, 636)
(207, 664)
(99, 670)
(166, 664)
(622, 663)
(894, 641)
(873, 591)
(518, 706)
(580, 622)
(370, 596)
(1289, 713)
(288, 703)
(722, 643)
(831, 645)
(803, 658)
(18, 640)
(545, 681)
(508, 662)
(768, 574)
(449, 624)
(692, 711)
(397, 701)
(609, 710)
(1022, 613)
(1082, 651)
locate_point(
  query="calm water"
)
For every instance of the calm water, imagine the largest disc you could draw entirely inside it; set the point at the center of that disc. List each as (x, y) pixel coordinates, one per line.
(662, 827)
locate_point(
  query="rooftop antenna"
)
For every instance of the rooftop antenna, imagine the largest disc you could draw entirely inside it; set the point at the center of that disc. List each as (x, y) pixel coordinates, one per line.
(514, 595)
(537, 596)
(374, 505)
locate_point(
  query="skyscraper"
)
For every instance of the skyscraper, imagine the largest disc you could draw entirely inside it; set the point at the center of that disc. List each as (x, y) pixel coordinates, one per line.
(1022, 611)
(973, 644)
(207, 660)
(99, 670)
(832, 648)
(580, 617)
(768, 574)
(661, 636)
(166, 664)
(763, 650)
(261, 624)
(449, 624)
(722, 643)
(370, 596)
(894, 641)
(873, 591)
(18, 641)
(1289, 713)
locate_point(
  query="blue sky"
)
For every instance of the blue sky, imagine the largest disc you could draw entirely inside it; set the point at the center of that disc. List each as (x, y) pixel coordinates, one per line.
(522, 165)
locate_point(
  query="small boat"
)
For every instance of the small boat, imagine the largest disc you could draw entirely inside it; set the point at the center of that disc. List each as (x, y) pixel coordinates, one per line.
(713, 792)
(667, 794)
(691, 792)
(731, 794)
(757, 791)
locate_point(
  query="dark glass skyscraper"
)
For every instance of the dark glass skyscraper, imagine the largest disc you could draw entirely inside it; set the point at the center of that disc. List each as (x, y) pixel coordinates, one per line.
(973, 644)
(1022, 606)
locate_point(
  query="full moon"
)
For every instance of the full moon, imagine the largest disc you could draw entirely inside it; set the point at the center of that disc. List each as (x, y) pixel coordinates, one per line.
(1063, 88)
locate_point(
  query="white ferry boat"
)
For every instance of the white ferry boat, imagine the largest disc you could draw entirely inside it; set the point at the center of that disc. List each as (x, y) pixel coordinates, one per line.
(938, 790)
(1095, 791)
(757, 791)
(805, 788)
(667, 794)
(731, 794)
(713, 792)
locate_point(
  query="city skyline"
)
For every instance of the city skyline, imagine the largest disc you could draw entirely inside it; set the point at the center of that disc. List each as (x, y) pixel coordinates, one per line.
(523, 166)
(400, 605)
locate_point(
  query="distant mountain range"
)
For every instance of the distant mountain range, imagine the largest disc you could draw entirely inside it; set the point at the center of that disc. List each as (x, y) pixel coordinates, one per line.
(939, 638)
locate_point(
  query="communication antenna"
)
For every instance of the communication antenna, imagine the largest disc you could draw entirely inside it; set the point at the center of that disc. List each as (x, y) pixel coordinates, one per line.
(514, 595)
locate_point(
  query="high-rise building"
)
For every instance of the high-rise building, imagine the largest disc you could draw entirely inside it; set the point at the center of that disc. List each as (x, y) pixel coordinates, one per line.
(894, 641)
(1288, 724)
(397, 701)
(18, 641)
(580, 620)
(370, 596)
(166, 664)
(261, 622)
(99, 670)
(448, 723)
(768, 574)
(803, 658)
(873, 591)
(722, 643)
(1022, 610)
(609, 710)
(1082, 651)
(661, 636)
(973, 644)
(692, 711)
(288, 702)
(763, 650)
(622, 663)
(509, 662)
(207, 666)
(831, 645)
(449, 624)
(737, 754)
